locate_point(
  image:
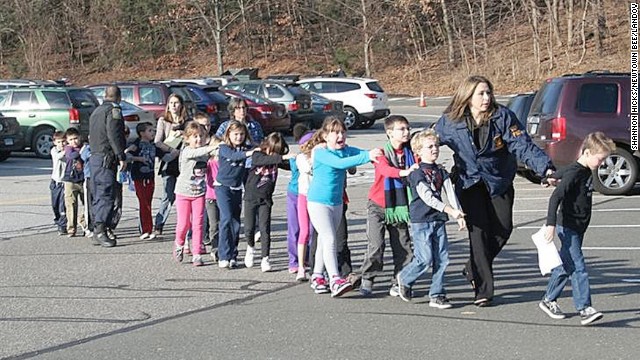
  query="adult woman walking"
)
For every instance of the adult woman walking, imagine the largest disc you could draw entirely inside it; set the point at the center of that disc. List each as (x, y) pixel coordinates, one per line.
(170, 125)
(239, 111)
(486, 139)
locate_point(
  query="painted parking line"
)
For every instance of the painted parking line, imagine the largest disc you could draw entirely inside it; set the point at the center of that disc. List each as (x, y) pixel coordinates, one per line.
(590, 226)
(28, 201)
(594, 210)
(520, 198)
(630, 280)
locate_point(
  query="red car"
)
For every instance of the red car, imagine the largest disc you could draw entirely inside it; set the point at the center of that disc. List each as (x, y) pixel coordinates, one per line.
(271, 115)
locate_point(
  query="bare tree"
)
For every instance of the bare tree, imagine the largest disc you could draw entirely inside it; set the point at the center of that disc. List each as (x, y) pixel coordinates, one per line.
(448, 30)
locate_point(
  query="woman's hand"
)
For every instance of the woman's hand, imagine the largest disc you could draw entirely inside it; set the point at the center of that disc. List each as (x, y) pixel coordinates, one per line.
(549, 231)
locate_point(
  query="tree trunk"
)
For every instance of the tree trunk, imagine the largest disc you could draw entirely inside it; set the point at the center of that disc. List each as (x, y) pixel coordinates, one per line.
(449, 33)
(473, 34)
(569, 24)
(583, 36)
(485, 44)
(552, 6)
(367, 40)
(600, 25)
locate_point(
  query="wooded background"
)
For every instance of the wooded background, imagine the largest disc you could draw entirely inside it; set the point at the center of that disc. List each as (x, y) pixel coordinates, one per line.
(404, 42)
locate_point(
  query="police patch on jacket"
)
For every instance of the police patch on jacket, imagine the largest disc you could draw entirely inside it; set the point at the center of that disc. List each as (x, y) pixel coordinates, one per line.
(497, 141)
(515, 131)
(116, 113)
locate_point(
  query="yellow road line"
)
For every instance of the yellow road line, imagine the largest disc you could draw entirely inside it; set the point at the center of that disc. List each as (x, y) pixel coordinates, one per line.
(24, 201)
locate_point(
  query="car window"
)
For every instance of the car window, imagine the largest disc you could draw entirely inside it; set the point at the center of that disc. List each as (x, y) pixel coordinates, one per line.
(57, 99)
(24, 100)
(99, 92)
(126, 93)
(150, 95)
(252, 88)
(344, 87)
(274, 91)
(374, 86)
(195, 95)
(234, 86)
(83, 99)
(598, 98)
(320, 87)
(4, 96)
(297, 90)
(546, 102)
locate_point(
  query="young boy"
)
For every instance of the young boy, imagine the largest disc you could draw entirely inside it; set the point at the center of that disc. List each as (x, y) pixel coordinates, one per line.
(57, 186)
(573, 196)
(428, 215)
(73, 181)
(143, 153)
(388, 206)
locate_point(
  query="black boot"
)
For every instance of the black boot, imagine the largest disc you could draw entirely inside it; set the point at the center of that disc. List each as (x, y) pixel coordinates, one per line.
(100, 236)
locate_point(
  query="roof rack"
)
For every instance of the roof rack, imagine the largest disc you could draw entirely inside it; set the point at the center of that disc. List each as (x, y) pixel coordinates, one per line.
(597, 72)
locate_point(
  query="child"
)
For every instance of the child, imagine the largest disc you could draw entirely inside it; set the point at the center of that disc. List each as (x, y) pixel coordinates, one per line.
(304, 164)
(143, 153)
(573, 198)
(190, 190)
(258, 198)
(56, 186)
(325, 199)
(73, 181)
(388, 206)
(85, 154)
(428, 215)
(211, 204)
(232, 156)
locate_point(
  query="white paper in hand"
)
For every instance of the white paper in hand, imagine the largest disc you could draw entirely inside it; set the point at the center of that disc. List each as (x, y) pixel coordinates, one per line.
(548, 257)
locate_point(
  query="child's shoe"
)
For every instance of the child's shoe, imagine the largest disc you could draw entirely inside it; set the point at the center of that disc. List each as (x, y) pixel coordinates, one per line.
(293, 270)
(71, 232)
(403, 291)
(178, 254)
(340, 286)
(302, 275)
(552, 309)
(248, 257)
(233, 264)
(223, 264)
(88, 233)
(366, 287)
(319, 285)
(440, 302)
(589, 315)
(144, 236)
(265, 265)
(214, 255)
(197, 260)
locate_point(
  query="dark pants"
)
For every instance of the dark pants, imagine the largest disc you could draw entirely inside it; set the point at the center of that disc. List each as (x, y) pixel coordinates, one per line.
(103, 181)
(213, 221)
(342, 247)
(490, 222)
(57, 204)
(262, 208)
(230, 205)
(398, 239)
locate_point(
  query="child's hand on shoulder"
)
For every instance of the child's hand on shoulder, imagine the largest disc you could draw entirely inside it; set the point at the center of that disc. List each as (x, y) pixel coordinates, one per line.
(289, 156)
(374, 154)
(406, 172)
(462, 224)
(250, 152)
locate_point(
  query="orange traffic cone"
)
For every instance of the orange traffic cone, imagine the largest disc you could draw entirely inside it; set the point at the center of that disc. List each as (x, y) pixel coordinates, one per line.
(423, 102)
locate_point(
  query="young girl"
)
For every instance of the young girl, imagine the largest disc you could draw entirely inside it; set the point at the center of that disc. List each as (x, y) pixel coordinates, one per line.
(304, 163)
(190, 190)
(232, 156)
(211, 204)
(325, 205)
(260, 186)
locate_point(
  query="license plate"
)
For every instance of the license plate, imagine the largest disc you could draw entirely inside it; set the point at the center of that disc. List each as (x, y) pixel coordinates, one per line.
(8, 141)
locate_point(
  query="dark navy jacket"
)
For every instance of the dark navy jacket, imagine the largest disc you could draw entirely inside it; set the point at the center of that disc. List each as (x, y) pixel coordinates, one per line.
(495, 163)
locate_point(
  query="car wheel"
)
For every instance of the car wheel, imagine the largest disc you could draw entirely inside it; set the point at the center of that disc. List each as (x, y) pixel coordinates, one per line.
(530, 175)
(43, 142)
(617, 175)
(4, 155)
(367, 124)
(351, 117)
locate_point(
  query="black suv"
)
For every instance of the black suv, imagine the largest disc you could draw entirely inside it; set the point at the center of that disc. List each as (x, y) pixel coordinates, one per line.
(569, 107)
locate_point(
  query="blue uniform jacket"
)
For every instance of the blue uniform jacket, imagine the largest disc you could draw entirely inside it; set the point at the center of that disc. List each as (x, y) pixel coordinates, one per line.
(495, 164)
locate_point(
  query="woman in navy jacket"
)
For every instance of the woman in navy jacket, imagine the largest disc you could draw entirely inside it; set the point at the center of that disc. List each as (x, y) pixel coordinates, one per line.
(486, 139)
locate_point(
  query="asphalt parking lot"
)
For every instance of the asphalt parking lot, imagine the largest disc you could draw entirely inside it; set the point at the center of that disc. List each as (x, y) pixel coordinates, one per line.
(65, 299)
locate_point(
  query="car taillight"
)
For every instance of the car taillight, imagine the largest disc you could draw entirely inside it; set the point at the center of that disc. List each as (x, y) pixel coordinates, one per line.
(293, 106)
(132, 118)
(327, 108)
(74, 116)
(212, 109)
(559, 128)
(371, 96)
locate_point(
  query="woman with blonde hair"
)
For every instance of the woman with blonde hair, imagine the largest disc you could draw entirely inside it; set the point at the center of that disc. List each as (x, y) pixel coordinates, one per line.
(486, 138)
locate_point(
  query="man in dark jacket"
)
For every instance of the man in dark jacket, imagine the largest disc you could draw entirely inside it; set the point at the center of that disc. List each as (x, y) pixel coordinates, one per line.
(107, 141)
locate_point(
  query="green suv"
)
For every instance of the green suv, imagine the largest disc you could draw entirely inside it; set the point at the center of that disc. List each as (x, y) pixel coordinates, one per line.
(43, 110)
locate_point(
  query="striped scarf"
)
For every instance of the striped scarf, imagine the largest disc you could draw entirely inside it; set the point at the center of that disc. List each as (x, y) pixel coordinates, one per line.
(396, 192)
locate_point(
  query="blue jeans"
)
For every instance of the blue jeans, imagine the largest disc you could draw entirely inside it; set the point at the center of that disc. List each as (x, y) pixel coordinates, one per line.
(430, 247)
(230, 205)
(572, 265)
(168, 198)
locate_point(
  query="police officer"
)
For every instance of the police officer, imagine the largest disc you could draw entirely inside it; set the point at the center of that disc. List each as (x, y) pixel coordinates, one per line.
(107, 141)
(486, 139)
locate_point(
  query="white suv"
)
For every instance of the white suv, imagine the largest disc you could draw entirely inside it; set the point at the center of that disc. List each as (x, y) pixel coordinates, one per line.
(364, 99)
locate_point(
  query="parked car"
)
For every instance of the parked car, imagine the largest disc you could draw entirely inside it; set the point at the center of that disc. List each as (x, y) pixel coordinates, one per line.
(43, 110)
(11, 137)
(271, 115)
(520, 105)
(217, 99)
(290, 94)
(14, 83)
(364, 99)
(151, 96)
(569, 107)
(323, 107)
(133, 115)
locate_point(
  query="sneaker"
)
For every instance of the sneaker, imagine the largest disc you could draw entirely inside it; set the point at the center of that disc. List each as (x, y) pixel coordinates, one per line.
(340, 286)
(158, 231)
(88, 233)
(393, 290)
(440, 302)
(197, 260)
(319, 285)
(302, 275)
(111, 235)
(71, 234)
(265, 265)
(355, 280)
(293, 270)
(552, 309)
(256, 236)
(178, 254)
(403, 291)
(233, 264)
(482, 302)
(214, 255)
(144, 236)
(223, 264)
(589, 315)
(366, 287)
(248, 257)
(151, 236)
